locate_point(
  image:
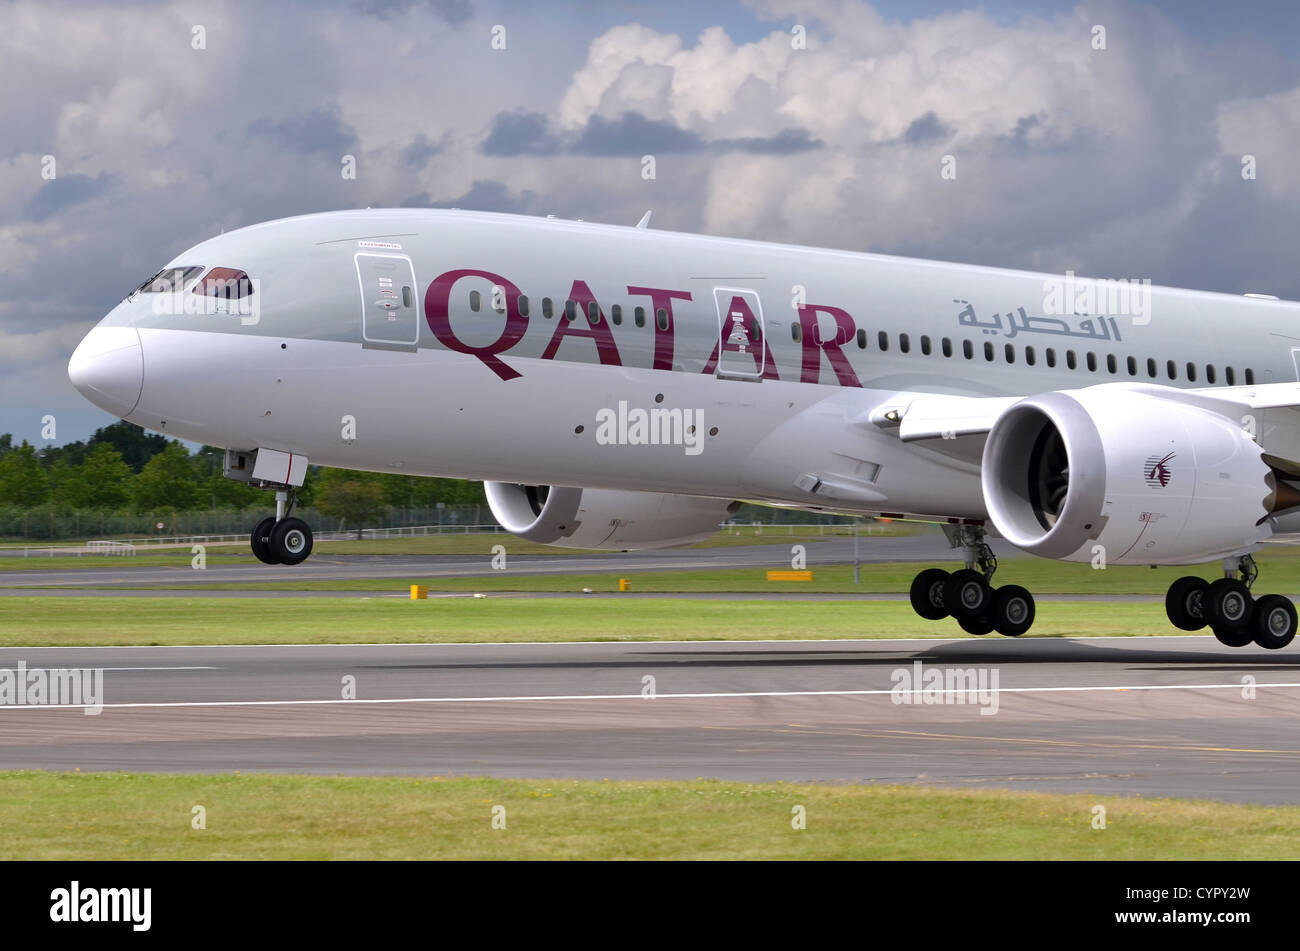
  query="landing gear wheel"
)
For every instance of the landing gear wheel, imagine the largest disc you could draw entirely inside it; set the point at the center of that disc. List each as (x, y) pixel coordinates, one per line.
(975, 625)
(927, 594)
(1185, 603)
(260, 542)
(291, 541)
(1273, 622)
(1228, 606)
(1013, 610)
(967, 594)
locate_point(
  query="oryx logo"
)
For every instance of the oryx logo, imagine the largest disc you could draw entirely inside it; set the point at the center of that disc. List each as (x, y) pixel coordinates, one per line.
(1157, 472)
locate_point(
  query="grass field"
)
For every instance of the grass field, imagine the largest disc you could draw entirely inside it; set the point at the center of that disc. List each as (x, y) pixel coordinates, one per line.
(1279, 572)
(63, 621)
(88, 816)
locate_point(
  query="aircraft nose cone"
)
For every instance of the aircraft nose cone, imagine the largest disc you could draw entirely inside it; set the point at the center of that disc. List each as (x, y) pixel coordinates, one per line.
(107, 368)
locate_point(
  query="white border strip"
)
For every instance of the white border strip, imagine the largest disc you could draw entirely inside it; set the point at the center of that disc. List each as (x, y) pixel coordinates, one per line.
(636, 696)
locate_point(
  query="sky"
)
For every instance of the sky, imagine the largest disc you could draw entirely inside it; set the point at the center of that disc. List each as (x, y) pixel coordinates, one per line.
(1143, 140)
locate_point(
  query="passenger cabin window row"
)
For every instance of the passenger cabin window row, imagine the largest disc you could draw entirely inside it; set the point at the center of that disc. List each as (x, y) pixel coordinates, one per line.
(571, 308)
(1010, 354)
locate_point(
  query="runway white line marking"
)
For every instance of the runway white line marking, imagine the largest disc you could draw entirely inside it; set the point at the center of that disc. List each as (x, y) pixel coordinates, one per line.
(635, 696)
(29, 669)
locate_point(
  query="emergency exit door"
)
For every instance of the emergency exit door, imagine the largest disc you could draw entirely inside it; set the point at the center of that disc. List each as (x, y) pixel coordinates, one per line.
(390, 304)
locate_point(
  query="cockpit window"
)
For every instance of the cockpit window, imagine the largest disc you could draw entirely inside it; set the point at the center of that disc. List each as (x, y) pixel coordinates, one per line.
(169, 280)
(227, 283)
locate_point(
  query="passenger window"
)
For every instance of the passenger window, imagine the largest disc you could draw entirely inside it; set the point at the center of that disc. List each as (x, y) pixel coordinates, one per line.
(1250, 377)
(593, 313)
(548, 311)
(1151, 368)
(638, 316)
(1230, 376)
(946, 346)
(925, 345)
(475, 301)
(904, 345)
(616, 314)
(1132, 366)
(407, 299)
(1209, 373)
(1171, 369)
(1110, 363)
(1092, 362)
(523, 305)
(571, 309)
(862, 339)
(988, 351)
(882, 340)
(661, 318)
(1010, 353)
(967, 350)
(1029, 356)
(1070, 360)
(1051, 356)
(795, 333)
(1191, 372)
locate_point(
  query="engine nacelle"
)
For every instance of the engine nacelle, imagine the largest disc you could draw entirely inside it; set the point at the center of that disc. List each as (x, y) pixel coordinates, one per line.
(604, 519)
(1151, 480)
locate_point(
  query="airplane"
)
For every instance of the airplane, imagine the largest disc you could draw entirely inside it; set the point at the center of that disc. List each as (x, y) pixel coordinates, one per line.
(622, 387)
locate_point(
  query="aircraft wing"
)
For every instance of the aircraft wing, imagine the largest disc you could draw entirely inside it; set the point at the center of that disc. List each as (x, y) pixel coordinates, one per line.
(957, 425)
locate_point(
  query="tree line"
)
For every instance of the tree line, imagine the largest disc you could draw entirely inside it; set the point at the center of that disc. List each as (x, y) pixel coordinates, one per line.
(123, 468)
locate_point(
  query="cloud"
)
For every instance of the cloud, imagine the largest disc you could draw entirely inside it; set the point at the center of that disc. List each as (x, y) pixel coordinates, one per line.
(319, 131)
(520, 133)
(1118, 162)
(628, 135)
(65, 192)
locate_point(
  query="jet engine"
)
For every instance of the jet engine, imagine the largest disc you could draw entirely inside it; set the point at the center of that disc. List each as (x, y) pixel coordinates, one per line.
(1128, 477)
(604, 519)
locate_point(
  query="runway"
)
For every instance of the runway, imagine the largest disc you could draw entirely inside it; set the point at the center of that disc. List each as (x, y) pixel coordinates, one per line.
(325, 567)
(1168, 716)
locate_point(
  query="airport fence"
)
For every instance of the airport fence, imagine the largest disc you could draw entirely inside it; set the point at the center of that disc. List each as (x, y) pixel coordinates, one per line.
(49, 524)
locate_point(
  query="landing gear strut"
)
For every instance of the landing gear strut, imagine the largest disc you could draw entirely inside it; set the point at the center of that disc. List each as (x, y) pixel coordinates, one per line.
(1228, 607)
(282, 540)
(968, 594)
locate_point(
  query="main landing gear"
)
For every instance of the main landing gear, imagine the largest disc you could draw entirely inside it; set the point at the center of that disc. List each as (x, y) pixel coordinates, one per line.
(968, 594)
(282, 540)
(1227, 606)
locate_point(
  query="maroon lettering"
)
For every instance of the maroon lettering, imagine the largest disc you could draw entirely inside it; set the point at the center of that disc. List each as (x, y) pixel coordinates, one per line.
(581, 326)
(740, 316)
(437, 313)
(661, 299)
(813, 347)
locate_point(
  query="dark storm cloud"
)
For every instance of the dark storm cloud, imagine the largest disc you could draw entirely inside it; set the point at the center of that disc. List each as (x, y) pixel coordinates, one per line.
(64, 192)
(319, 131)
(483, 195)
(630, 135)
(785, 142)
(634, 134)
(417, 154)
(927, 128)
(520, 133)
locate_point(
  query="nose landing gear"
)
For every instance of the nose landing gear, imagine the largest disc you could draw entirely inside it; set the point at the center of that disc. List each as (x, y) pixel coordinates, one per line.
(1228, 608)
(968, 594)
(282, 540)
